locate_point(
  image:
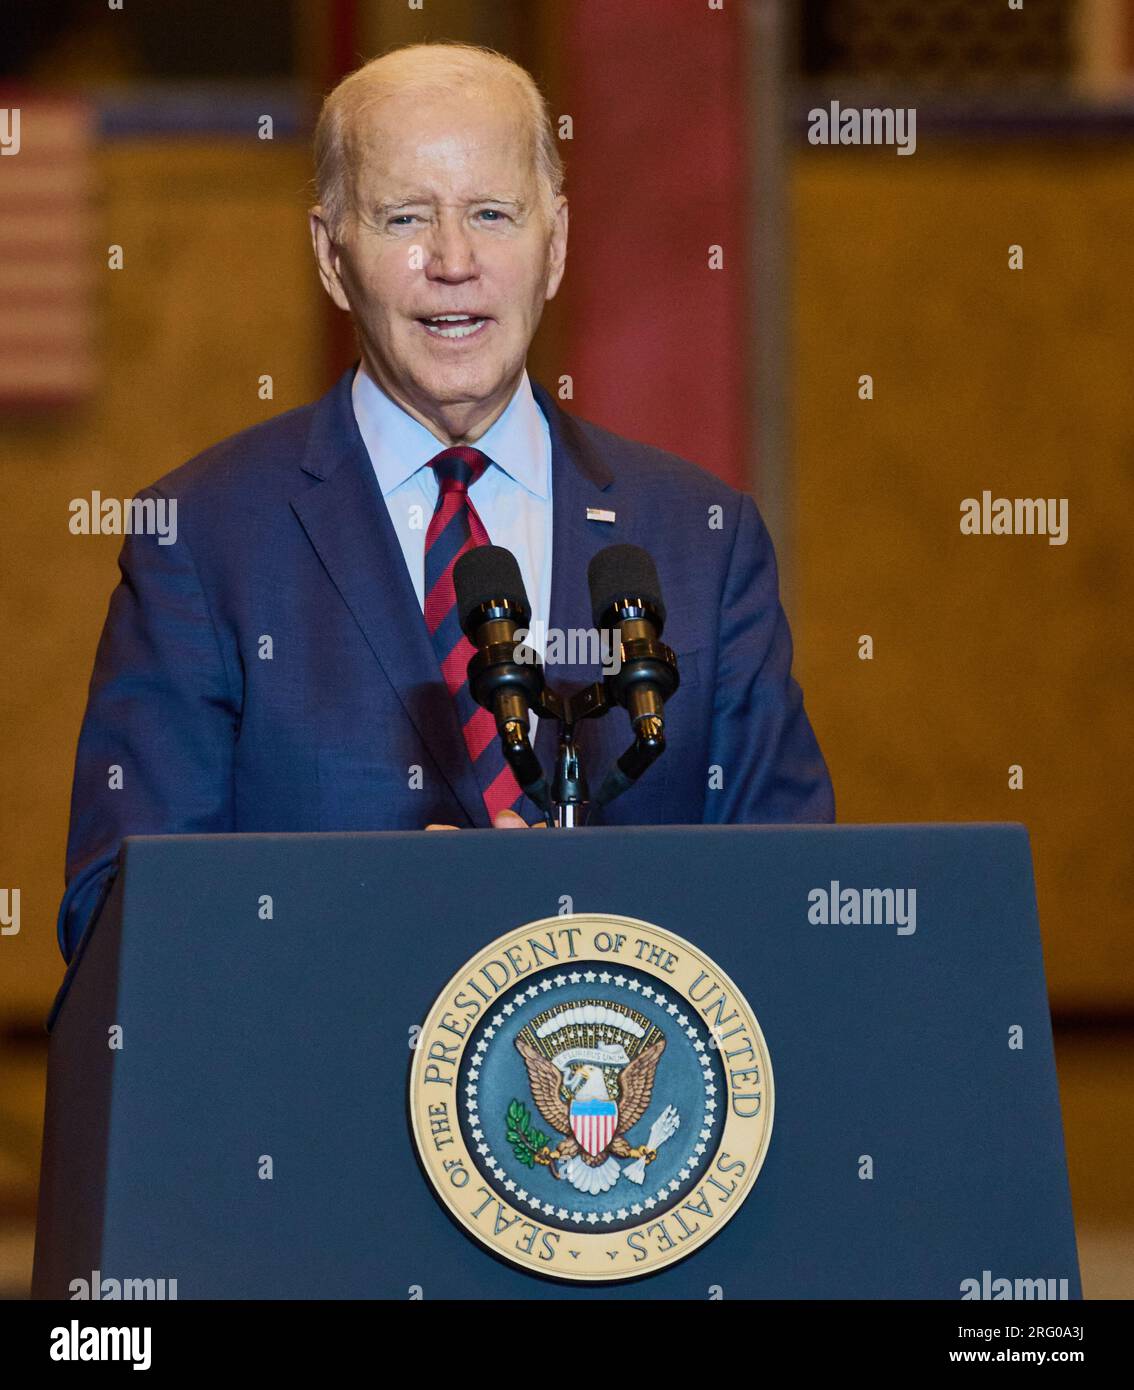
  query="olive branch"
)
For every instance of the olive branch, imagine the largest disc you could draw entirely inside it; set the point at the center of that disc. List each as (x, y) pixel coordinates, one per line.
(526, 1142)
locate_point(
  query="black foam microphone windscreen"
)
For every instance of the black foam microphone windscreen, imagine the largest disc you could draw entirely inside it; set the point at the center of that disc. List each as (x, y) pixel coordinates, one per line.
(485, 574)
(622, 571)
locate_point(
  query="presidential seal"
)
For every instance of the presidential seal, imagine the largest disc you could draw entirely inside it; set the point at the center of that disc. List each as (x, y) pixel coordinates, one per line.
(591, 1097)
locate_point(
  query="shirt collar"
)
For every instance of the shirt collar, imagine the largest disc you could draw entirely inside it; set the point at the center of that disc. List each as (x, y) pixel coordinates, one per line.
(399, 445)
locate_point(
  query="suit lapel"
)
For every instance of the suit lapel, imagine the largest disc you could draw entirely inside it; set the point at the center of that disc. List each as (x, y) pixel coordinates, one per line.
(348, 523)
(580, 478)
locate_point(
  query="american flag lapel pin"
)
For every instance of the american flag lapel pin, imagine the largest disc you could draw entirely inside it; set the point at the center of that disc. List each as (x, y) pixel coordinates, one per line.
(600, 514)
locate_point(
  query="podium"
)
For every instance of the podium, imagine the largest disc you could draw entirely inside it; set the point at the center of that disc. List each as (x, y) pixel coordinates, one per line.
(235, 1048)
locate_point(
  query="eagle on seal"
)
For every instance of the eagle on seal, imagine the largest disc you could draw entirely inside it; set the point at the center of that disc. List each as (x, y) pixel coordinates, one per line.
(578, 1105)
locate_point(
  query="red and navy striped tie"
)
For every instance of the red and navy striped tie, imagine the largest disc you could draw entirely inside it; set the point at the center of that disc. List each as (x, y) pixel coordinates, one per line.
(454, 528)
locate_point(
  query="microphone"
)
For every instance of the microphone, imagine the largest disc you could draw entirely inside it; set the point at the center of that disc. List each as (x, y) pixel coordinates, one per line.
(491, 604)
(626, 593)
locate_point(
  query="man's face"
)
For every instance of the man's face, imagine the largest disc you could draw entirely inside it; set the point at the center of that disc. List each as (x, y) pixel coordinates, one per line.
(450, 222)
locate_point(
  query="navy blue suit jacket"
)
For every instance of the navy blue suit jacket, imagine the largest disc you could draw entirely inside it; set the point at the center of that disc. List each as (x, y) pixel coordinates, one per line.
(283, 534)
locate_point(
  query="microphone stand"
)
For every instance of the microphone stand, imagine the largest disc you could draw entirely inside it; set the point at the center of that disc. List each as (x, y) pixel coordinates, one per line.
(570, 795)
(567, 802)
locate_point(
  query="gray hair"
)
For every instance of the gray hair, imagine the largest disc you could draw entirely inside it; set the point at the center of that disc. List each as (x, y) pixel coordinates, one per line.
(421, 67)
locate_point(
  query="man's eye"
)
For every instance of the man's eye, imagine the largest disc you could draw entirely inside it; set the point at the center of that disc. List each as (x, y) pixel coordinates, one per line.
(402, 219)
(492, 213)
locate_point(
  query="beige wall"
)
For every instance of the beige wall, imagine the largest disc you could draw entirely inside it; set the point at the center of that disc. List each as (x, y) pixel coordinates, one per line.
(988, 650)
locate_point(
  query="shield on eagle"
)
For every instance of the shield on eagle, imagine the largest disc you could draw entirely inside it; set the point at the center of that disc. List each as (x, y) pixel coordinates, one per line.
(593, 1123)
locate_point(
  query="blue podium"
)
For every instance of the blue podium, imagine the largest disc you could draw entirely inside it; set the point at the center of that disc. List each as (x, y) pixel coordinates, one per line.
(259, 1086)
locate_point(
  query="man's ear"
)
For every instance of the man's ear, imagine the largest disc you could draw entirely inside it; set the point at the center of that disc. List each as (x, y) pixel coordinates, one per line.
(327, 258)
(557, 248)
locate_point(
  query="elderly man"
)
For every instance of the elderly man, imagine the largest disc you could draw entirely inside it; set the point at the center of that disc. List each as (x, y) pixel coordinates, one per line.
(293, 662)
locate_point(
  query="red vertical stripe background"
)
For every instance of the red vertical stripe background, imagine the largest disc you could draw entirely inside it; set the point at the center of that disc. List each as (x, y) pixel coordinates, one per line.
(656, 174)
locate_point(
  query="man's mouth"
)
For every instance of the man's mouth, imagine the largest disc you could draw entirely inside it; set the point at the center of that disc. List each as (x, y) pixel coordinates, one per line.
(453, 325)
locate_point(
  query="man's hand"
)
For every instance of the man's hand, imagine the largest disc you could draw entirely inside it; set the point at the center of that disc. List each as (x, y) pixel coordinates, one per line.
(505, 820)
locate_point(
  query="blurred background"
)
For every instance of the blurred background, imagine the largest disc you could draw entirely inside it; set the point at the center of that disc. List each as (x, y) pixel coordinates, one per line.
(143, 129)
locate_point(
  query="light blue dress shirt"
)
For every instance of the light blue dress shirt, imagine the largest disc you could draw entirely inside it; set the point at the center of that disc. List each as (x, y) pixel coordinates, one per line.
(512, 497)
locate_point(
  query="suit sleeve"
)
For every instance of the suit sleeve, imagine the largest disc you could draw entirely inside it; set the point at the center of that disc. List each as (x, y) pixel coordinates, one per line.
(155, 752)
(771, 766)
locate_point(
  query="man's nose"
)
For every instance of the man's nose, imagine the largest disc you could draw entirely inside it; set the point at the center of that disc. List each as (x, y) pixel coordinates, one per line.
(451, 255)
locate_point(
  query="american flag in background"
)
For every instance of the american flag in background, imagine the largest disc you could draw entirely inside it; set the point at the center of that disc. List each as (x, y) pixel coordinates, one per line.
(46, 250)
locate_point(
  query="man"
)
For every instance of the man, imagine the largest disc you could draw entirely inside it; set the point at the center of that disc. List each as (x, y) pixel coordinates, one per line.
(292, 662)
